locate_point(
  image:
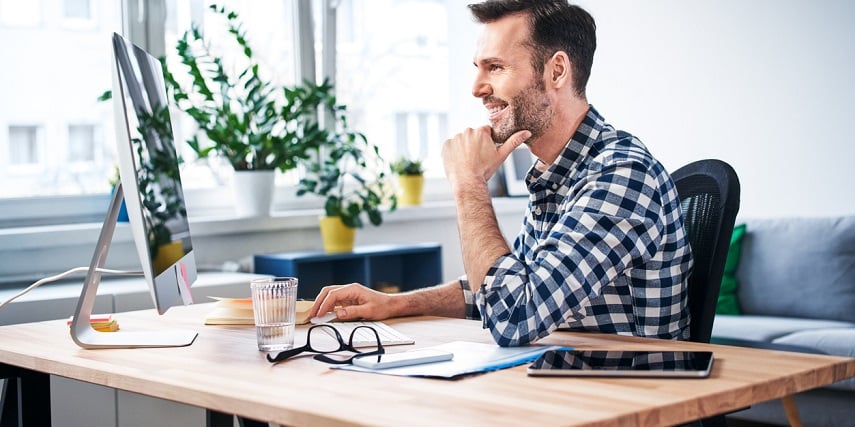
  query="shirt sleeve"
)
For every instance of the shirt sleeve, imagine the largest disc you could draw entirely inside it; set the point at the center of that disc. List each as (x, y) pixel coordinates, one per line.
(472, 312)
(610, 222)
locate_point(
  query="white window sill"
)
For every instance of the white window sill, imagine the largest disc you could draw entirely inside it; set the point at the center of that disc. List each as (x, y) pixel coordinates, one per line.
(41, 244)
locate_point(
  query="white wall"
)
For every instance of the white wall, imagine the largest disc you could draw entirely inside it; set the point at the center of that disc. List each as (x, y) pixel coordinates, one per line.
(766, 85)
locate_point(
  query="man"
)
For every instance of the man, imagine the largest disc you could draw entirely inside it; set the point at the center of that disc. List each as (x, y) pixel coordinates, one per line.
(602, 247)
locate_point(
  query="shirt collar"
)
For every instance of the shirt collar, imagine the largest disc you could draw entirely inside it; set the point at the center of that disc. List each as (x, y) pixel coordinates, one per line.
(572, 157)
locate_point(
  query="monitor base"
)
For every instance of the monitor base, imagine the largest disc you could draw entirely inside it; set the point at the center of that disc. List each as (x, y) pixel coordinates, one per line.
(92, 339)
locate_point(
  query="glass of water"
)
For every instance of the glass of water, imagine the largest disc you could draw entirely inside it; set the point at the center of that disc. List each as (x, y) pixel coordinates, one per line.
(274, 305)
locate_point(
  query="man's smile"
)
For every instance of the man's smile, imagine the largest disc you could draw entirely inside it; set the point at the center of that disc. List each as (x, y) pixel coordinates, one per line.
(496, 109)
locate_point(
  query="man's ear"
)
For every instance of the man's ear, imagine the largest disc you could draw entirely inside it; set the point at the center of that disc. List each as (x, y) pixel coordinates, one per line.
(559, 72)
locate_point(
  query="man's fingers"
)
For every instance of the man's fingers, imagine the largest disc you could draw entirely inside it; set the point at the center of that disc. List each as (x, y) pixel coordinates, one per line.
(513, 142)
(350, 312)
(319, 300)
(336, 295)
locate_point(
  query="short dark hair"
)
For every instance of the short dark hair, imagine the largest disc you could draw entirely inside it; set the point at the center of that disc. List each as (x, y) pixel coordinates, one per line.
(555, 25)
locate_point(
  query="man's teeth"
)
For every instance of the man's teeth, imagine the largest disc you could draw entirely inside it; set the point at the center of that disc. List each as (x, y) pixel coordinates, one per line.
(496, 109)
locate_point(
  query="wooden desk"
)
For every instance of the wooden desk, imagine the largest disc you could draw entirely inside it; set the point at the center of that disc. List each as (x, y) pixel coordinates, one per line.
(223, 371)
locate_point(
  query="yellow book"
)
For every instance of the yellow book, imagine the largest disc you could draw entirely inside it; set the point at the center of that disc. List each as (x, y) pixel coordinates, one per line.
(238, 311)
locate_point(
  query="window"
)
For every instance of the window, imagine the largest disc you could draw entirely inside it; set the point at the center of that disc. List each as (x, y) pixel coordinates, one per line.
(392, 73)
(24, 147)
(51, 117)
(78, 14)
(77, 9)
(417, 132)
(81, 143)
(270, 33)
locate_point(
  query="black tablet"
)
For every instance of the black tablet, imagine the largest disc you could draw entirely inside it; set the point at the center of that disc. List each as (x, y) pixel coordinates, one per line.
(667, 364)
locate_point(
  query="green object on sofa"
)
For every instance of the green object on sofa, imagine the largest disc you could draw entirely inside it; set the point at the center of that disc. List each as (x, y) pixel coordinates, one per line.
(727, 302)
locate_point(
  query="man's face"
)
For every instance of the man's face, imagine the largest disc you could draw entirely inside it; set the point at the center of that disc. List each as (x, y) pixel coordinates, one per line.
(512, 92)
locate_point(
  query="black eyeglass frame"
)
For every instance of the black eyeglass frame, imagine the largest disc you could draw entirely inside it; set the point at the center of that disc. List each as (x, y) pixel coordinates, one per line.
(322, 354)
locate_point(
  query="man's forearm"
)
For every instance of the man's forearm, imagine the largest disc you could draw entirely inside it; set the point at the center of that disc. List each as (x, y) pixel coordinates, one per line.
(481, 240)
(442, 300)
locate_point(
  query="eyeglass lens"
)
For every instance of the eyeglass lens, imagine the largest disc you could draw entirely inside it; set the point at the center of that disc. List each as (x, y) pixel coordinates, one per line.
(326, 339)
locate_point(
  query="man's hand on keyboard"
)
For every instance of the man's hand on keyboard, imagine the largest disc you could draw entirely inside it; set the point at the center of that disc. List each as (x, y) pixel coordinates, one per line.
(353, 302)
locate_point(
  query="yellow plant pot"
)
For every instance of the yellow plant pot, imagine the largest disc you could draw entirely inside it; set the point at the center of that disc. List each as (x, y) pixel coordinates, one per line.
(167, 254)
(337, 237)
(411, 189)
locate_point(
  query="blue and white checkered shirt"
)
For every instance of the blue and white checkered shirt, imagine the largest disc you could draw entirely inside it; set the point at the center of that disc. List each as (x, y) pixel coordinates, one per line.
(602, 247)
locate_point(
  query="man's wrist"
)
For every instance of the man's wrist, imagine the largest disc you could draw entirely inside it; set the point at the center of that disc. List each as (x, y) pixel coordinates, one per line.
(469, 186)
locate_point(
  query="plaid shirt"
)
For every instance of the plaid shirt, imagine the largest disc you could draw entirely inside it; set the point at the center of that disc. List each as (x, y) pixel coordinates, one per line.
(602, 247)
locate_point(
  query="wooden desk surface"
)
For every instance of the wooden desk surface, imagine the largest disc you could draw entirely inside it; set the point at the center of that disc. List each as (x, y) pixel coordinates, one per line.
(224, 372)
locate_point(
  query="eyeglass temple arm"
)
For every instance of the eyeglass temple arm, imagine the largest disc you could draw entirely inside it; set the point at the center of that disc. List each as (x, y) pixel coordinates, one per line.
(282, 355)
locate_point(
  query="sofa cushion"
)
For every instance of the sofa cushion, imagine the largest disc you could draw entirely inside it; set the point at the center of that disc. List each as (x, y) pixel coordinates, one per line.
(837, 342)
(798, 267)
(727, 302)
(768, 328)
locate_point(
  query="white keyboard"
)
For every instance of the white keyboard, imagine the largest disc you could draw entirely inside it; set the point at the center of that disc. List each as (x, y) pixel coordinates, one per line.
(365, 338)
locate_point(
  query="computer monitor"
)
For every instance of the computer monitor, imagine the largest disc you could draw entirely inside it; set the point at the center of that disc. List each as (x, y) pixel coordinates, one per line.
(151, 187)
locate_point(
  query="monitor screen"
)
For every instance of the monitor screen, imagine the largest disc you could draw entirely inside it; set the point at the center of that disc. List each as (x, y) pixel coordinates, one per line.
(148, 167)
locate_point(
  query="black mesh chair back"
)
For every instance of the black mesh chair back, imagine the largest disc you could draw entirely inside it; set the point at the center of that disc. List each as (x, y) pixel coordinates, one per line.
(709, 195)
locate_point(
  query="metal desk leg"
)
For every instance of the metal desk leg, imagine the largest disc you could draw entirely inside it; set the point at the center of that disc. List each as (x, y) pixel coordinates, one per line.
(246, 422)
(9, 400)
(25, 397)
(219, 419)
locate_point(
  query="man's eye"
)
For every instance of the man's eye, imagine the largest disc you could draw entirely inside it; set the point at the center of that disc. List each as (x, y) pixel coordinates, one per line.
(494, 67)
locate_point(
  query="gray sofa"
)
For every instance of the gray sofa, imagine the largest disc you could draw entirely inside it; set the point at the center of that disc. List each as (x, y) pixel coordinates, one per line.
(796, 291)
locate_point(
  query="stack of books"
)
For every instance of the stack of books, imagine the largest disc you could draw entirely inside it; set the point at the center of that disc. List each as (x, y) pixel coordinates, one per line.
(231, 311)
(238, 311)
(101, 322)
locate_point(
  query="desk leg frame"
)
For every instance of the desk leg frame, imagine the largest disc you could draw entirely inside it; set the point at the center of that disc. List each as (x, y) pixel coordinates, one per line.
(219, 419)
(25, 397)
(25, 401)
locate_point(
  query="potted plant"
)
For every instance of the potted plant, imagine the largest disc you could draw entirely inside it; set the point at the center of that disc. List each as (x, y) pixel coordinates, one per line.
(350, 174)
(411, 180)
(256, 126)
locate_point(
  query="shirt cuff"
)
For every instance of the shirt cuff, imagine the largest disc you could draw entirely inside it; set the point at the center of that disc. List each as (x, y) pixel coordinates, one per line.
(472, 312)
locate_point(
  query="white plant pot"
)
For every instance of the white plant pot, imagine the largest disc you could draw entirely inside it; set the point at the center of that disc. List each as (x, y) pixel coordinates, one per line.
(253, 192)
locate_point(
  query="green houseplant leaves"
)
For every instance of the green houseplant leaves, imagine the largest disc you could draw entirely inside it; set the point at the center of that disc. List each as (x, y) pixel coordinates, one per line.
(350, 174)
(256, 125)
(407, 166)
(247, 120)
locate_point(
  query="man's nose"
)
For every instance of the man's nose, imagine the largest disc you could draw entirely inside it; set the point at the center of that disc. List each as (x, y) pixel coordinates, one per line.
(481, 88)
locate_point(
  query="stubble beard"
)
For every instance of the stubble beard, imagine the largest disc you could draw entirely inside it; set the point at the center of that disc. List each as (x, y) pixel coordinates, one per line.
(530, 110)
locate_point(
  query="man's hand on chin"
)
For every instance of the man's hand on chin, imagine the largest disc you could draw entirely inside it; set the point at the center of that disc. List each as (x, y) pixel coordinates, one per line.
(471, 156)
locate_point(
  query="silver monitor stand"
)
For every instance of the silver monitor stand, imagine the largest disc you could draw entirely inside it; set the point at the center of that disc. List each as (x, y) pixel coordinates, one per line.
(81, 330)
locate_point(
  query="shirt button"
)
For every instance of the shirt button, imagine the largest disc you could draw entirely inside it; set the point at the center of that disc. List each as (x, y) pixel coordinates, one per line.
(537, 211)
(554, 186)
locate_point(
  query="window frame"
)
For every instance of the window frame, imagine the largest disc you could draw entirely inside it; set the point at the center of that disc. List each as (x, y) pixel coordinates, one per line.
(144, 24)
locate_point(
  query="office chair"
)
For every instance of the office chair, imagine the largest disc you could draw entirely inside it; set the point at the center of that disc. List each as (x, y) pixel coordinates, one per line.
(709, 194)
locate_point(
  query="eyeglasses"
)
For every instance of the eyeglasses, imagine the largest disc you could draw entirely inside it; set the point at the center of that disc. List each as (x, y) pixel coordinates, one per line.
(323, 346)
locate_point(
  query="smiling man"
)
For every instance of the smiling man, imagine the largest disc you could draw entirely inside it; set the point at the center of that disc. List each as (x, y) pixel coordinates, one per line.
(602, 246)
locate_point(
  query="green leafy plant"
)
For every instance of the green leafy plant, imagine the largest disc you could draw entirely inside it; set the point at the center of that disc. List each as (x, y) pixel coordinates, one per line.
(350, 173)
(248, 120)
(405, 166)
